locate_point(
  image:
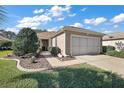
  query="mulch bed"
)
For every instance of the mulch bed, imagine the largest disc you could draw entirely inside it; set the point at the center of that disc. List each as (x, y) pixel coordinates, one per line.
(41, 63)
(26, 63)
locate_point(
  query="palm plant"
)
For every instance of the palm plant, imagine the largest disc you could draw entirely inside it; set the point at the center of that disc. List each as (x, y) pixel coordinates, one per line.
(2, 15)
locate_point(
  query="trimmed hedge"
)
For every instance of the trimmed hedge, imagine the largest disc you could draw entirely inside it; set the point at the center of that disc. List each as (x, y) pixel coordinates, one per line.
(107, 48)
(54, 50)
(116, 53)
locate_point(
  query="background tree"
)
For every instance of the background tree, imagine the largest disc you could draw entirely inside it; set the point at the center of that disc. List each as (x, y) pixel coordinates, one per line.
(25, 42)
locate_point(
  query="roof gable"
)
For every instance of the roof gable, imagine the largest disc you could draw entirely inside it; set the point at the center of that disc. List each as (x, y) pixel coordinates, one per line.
(45, 35)
(114, 36)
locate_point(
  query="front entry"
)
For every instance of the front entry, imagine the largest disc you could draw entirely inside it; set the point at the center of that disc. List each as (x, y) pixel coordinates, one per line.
(45, 45)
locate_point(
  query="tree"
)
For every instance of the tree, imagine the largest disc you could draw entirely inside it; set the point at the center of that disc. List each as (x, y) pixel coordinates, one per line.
(25, 42)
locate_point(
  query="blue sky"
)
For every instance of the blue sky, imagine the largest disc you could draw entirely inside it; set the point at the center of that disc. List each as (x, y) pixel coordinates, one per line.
(106, 19)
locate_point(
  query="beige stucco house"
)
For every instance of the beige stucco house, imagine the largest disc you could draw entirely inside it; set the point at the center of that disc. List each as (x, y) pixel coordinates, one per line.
(115, 39)
(73, 41)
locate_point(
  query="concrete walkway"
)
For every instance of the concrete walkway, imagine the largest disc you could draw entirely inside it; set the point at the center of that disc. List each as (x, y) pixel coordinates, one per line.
(109, 63)
(55, 63)
(105, 62)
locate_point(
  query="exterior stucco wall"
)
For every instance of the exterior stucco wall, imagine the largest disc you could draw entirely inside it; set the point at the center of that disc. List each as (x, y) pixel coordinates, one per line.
(59, 41)
(68, 40)
(53, 42)
(118, 44)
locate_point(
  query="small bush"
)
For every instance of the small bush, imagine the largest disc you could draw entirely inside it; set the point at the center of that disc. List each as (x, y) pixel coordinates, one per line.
(104, 49)
(110, 48)
(116, 53)
(107, 48)
(55, 51)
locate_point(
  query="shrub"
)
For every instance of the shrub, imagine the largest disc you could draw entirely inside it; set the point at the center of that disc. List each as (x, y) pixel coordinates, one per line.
(5, 45)
(25, 42)
(110, 48)
(104, 49)
(116, 53)
(107, 48)
(55, 51)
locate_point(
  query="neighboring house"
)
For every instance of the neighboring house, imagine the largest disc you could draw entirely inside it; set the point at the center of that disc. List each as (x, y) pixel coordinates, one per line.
(115, 39)
(76, 41)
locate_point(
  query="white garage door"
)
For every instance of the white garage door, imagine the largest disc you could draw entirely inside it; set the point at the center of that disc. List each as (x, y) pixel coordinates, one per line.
(85, 45)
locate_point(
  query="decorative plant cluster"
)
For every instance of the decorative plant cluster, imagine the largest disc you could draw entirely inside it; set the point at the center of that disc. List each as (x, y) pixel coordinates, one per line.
(54, 50)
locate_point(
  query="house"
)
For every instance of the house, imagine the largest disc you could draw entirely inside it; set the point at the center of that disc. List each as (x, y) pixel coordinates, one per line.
(75, 41)
(115, 39)
(44, 38)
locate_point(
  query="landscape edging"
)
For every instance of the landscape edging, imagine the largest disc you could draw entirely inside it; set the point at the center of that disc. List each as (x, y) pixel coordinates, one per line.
(24, 69)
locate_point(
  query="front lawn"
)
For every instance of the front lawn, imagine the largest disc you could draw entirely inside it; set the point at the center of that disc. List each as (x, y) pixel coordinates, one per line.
(4, 53)
(74, 76)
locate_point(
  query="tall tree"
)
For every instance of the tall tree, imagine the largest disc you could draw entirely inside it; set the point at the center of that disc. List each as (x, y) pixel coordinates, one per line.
(25, 42)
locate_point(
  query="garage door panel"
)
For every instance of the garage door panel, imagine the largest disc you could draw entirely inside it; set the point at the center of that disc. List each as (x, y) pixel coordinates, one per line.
(83, 42)
(90, 42)
(83, 50)
(75, 41)
(75, 50)
(85, 45)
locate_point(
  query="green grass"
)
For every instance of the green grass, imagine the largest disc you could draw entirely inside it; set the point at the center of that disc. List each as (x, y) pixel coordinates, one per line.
(4, 53)
(74, 76)
(114, 53)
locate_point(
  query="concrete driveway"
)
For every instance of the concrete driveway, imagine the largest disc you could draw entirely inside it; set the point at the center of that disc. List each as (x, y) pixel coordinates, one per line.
(113, 64)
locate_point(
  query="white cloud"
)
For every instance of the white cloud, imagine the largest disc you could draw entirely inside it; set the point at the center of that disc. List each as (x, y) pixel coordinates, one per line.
(61, 27)
(115, 26)
(15, 30)
(77, 25)
(36, 11)
(95, 21)
(53, 29)
(33, 21)
(60, 19)
(57, 11)
(107, 31)
(72, 15)
(88, 27)
(118, 18)
(84, 9)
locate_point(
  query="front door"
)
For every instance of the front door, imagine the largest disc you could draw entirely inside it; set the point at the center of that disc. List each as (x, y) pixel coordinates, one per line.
(45, 45)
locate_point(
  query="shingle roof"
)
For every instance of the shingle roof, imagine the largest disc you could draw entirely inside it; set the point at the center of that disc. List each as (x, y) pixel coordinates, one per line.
(45, 35)
(83, 30)
(77, 29)
(114, 36)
